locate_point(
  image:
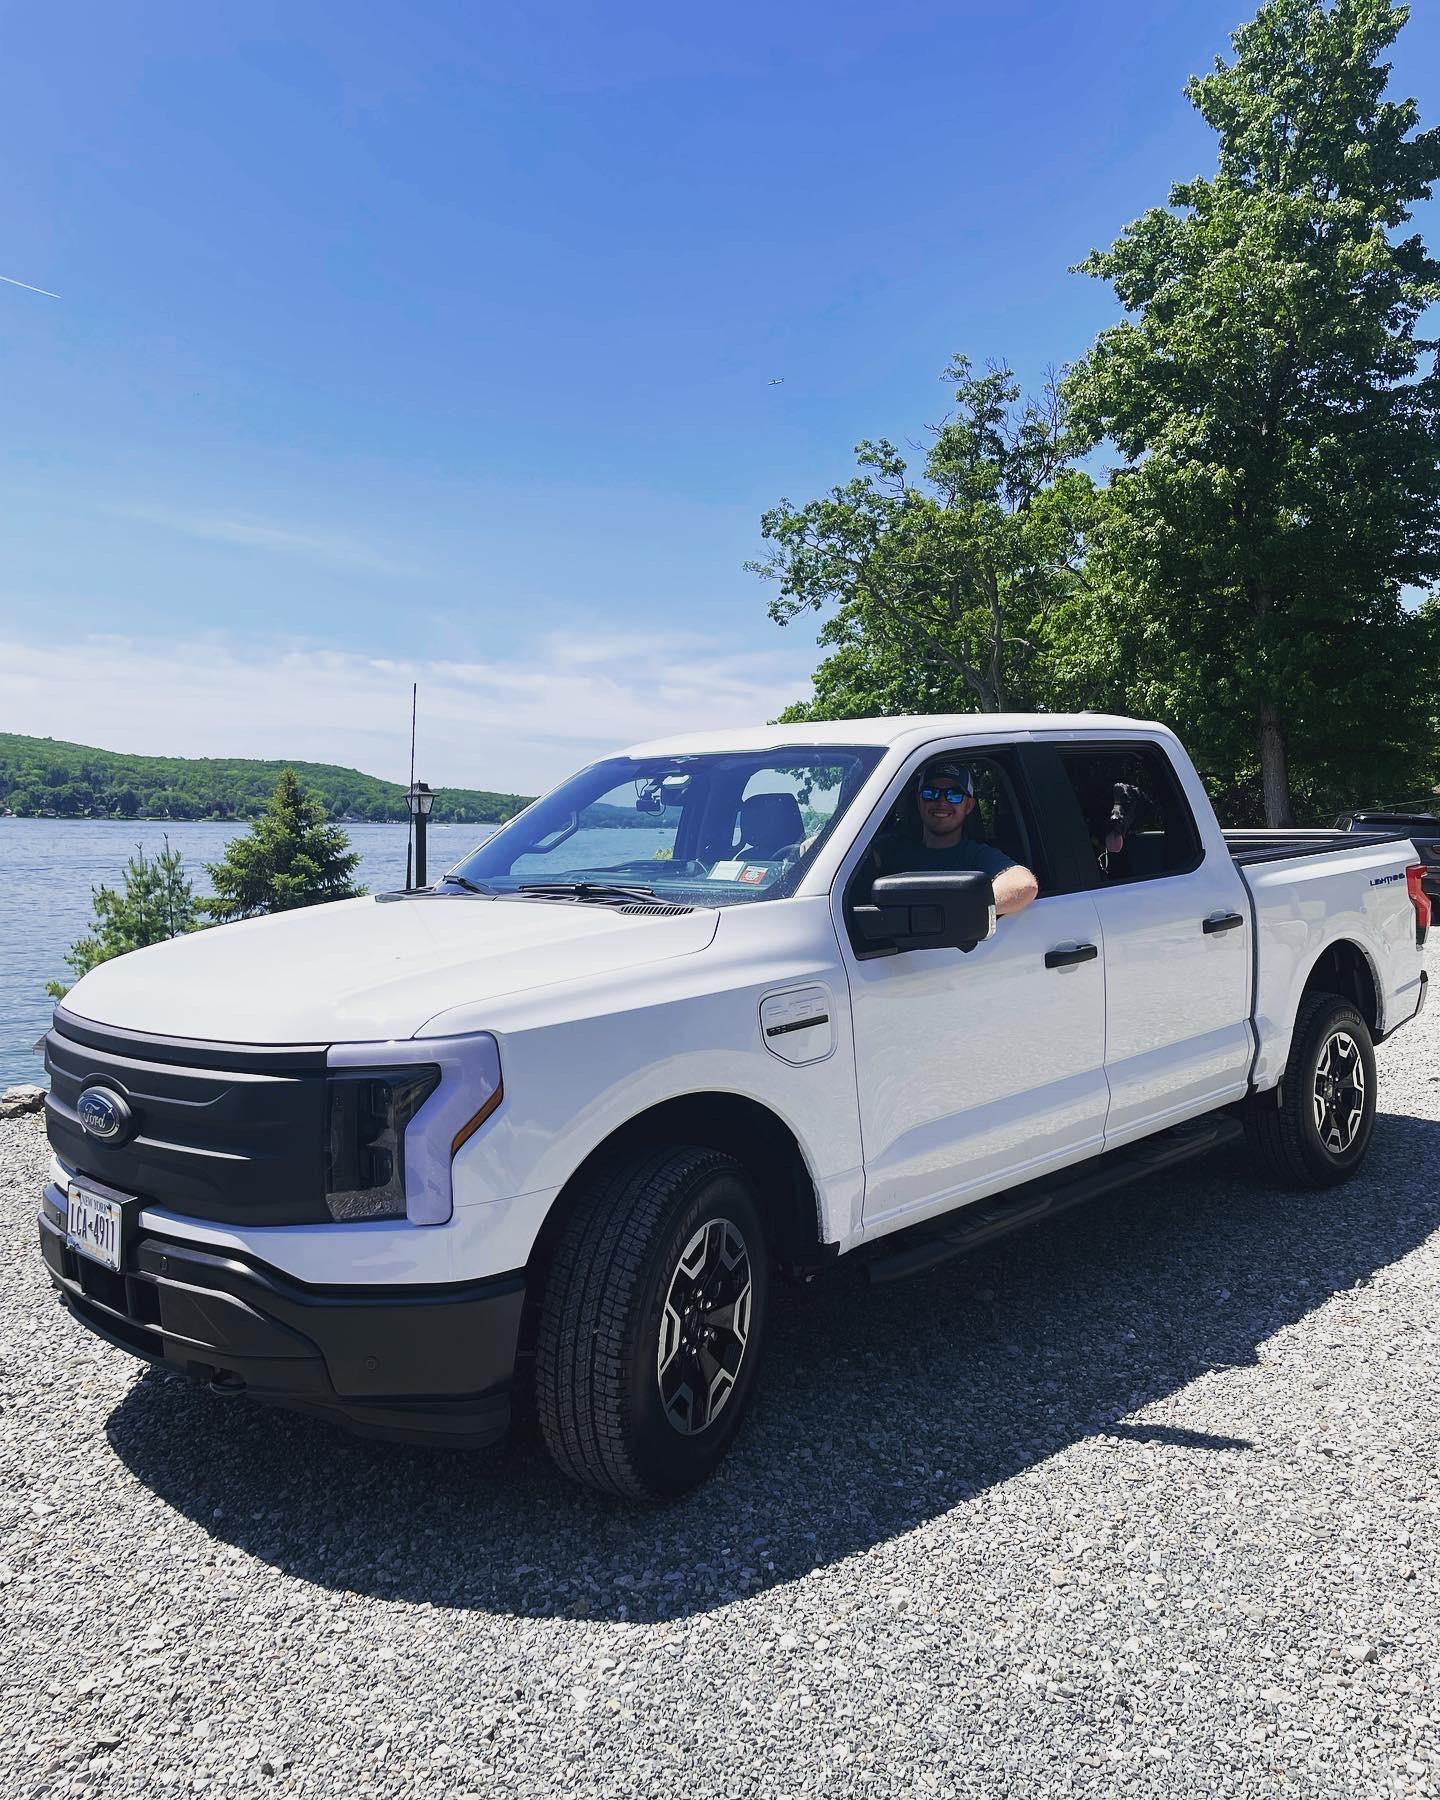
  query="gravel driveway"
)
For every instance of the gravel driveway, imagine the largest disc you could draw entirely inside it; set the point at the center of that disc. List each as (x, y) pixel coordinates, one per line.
(1143, 1501)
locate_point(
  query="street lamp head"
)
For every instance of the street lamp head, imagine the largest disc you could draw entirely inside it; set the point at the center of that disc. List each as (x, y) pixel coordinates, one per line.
(420, 799)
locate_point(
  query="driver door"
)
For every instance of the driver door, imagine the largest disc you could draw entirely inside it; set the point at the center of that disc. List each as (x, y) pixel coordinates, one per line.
(978, 1070)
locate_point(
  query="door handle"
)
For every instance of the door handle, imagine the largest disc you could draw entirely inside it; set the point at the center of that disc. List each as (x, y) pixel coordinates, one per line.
(1069, 954)
(1221, 922)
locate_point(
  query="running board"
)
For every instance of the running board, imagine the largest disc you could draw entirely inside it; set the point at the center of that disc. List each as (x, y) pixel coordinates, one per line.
(984, 1220)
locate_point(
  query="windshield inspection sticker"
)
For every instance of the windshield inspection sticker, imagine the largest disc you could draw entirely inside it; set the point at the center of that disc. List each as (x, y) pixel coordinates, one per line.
(737, 869)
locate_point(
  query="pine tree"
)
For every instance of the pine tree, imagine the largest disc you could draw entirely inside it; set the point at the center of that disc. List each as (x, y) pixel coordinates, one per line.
(292, 856)
(157, 904)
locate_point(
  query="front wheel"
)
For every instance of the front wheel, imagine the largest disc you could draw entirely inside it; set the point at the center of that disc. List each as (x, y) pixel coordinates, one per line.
(1319, 1131)
(650, 1326)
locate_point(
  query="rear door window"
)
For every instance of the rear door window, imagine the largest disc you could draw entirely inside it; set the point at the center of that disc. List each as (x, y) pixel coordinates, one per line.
(1136, 817)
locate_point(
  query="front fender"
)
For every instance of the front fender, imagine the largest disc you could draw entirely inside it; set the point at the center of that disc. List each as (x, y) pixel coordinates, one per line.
(585, 1064)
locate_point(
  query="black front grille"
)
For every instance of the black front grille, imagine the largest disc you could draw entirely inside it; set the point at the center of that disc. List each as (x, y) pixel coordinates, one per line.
(218, 1131)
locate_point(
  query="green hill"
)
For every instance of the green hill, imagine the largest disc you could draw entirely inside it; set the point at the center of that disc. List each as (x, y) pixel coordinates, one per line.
(45, 778)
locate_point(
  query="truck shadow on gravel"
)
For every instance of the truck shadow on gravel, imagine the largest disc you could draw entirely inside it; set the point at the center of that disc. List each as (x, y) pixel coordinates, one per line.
(880, 1408)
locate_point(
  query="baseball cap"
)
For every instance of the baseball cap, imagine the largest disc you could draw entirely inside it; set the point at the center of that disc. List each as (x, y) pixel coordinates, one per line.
(946, 772)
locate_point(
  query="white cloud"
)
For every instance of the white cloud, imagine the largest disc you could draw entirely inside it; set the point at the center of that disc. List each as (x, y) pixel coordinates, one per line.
(338, 549)
(514, 726)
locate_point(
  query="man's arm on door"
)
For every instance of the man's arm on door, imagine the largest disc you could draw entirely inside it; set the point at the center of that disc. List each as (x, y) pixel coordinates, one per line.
(1015, 888)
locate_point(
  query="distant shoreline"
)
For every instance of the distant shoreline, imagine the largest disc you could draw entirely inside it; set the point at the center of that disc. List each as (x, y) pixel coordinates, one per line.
(51, 778)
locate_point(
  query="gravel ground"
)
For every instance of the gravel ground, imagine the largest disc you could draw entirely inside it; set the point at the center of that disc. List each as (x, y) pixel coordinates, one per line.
(1145, 1501)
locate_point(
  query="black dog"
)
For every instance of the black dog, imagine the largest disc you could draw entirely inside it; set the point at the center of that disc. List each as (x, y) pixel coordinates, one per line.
(1128, 806)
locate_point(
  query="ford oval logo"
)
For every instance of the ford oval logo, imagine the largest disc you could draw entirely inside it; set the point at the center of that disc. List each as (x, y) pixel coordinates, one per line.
(103, 1114)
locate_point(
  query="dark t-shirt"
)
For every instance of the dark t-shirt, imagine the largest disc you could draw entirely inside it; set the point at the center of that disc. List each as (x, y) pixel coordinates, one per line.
(902, 856)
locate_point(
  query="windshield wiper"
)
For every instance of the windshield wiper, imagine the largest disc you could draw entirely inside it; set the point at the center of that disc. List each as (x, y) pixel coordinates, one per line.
(465, 882)
(602, 892)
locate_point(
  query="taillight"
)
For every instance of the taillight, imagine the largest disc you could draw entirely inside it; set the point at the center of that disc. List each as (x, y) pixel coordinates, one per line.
(1419, 899)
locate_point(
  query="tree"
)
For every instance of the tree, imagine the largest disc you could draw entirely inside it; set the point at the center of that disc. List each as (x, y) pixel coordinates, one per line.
(157, 903)
(1269, 396)
(864, 679)
(941, 591)
(290, 857)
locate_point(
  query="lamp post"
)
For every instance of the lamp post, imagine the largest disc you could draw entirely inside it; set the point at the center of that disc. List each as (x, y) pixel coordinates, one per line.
(420, 799)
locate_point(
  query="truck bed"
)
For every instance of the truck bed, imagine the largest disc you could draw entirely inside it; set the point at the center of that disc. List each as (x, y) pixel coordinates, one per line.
(1312, 887)
(1259, 846)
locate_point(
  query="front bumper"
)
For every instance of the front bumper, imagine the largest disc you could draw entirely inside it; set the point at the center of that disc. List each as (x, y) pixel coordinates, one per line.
(425, 1365)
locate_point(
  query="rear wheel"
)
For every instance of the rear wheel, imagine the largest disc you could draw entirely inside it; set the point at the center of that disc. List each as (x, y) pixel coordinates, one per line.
(650, 1326)
(1319, 1131)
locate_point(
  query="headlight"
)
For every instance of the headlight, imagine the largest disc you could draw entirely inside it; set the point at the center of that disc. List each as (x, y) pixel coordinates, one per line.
(365, 1118)
(397, 1114)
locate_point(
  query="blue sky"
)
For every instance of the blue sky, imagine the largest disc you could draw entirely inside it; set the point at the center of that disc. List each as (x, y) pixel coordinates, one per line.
(436, 342)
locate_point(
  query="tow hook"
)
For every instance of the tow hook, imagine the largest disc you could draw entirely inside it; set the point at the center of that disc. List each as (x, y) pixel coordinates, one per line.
(225, 1383)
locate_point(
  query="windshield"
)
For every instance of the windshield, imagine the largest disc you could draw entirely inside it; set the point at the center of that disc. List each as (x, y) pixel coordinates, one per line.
(707, 830)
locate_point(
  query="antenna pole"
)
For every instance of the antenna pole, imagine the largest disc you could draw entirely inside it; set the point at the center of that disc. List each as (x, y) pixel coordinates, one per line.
(409, 803)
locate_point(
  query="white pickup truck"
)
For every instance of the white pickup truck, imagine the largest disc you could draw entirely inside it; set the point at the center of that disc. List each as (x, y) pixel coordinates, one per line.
(558, 1121)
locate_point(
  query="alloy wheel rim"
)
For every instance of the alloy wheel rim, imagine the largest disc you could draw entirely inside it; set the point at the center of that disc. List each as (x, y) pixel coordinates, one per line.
(704, 1326)
(1339, 1093)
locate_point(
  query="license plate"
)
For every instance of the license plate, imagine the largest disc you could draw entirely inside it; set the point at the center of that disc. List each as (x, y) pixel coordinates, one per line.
(93, 1226)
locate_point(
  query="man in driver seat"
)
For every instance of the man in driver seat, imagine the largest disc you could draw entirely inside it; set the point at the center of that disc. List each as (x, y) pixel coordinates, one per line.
(945, 799)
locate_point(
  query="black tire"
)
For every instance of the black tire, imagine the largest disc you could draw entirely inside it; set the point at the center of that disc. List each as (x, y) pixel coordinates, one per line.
(598, 1381)
(1287, 1136)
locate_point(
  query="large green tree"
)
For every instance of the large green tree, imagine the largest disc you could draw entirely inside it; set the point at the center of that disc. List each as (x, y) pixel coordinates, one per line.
(291, 857)
(1278, 413)
(155, 903)
(939, 591)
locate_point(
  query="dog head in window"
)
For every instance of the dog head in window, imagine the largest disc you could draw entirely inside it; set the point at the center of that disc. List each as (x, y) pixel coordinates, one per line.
(1129, 808)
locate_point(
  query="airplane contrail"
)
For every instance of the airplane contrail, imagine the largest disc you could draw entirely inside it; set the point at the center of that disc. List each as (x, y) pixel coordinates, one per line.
(33, 289)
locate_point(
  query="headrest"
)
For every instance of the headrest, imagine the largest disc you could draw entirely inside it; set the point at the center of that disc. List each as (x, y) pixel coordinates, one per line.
(770, 821)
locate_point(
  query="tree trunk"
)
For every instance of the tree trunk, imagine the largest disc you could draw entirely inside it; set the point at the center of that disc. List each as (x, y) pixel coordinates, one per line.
(1274, 773)
(997, 642)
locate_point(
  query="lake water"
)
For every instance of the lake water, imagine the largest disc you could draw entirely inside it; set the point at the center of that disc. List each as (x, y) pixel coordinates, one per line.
(48, 867)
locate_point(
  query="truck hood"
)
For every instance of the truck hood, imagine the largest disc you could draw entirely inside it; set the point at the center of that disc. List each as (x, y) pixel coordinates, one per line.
(360, 970)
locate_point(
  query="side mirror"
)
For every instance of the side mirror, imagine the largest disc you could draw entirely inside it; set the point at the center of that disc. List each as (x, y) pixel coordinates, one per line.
(937, 911)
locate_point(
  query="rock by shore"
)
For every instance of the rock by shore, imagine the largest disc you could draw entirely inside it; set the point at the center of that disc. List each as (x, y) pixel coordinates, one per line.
(16, 1101)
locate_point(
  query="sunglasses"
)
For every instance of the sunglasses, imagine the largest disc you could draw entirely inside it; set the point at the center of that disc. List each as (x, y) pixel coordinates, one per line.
(953, 795)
